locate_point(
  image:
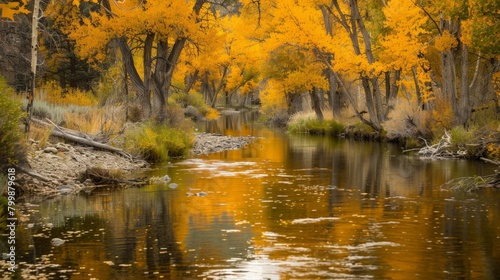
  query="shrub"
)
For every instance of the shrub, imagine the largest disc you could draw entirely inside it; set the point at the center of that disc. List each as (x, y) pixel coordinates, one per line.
(12, 151)
(406, 122)
(441, 117)
(158, 142)
(461, 141)
(307, 122)
(194, 99)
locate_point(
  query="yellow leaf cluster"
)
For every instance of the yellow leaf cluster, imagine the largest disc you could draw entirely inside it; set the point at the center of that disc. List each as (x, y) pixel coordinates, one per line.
(445, 42)
(273, 96)
(12, 8)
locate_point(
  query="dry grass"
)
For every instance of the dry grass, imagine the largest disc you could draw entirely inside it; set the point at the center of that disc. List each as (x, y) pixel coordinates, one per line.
(107, 120)
(53, 94)
(406, 121)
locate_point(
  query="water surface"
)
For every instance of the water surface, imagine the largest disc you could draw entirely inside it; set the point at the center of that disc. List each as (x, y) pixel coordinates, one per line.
(285, 207)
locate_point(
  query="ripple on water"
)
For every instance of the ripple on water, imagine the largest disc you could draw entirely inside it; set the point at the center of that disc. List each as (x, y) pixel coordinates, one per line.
(314, 220)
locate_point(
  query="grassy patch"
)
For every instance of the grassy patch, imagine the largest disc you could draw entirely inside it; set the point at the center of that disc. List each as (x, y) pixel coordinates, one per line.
(309, 124)
(194, 99)
(158, 142)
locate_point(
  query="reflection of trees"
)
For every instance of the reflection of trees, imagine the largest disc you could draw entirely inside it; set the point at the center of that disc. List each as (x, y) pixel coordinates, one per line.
(127, 227)
(233, 124)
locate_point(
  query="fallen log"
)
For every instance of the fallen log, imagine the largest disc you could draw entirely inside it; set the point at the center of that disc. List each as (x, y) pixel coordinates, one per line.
(31, 173)
(66, 134)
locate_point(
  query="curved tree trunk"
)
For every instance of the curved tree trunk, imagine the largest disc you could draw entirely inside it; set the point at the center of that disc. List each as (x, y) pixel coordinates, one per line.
(316, 104)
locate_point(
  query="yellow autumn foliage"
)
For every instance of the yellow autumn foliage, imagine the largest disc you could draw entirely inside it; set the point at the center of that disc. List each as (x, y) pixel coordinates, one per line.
(445, 42)
(54, 94)
(10, 9)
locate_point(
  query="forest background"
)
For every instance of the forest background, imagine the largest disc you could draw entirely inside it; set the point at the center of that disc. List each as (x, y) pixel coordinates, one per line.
(127, 72)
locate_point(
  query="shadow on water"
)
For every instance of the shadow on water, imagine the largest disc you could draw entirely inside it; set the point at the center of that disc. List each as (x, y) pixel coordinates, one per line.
(285, 207)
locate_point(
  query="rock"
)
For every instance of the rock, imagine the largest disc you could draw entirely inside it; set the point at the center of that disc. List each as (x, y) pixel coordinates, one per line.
(193, 113)
(173, 185)
(88, 183)
(57, 242)
(65, 189)
(61, 147)
(51, 150)
(201, 194)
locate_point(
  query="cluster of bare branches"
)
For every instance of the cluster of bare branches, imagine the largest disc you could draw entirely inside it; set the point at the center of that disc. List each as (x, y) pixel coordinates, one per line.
(474, 183)
(442, 149)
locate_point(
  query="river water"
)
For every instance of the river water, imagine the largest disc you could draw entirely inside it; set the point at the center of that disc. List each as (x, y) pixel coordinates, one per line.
(285, 207)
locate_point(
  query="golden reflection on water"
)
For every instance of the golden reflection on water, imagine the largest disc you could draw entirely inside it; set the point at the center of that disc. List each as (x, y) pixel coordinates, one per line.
(282, 208)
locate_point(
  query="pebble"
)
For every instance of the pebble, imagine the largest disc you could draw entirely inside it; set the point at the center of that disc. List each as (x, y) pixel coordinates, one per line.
(51, 150)
(57, 242)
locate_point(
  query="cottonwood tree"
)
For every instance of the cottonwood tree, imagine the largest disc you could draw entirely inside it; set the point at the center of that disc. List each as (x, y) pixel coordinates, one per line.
(464, 26)
(150, 36)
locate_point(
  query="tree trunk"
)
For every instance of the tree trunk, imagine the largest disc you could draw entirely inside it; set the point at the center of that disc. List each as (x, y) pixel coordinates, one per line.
(463, 115)
(159, 78)
(448, 67)
(147, 60)
(316, 104)
(417, 86)
(393, 90)
(34, 54)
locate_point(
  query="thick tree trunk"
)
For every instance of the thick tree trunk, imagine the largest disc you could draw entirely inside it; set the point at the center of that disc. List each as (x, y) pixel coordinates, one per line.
(392, 89)
(159, 77)
(463, 115)
(316, 104)
(147, 60)
(448, 68)
(334, 97)
(417, 86)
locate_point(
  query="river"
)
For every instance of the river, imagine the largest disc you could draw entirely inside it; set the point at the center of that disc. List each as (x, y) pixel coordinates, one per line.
(285, 207)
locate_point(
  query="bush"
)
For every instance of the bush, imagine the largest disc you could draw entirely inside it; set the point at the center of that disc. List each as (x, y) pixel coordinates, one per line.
(406, 122)
(194, 99)
(158, 142)
(12, 151)
(307, 122)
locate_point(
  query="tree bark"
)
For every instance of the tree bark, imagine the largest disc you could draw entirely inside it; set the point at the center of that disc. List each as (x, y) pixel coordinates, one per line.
(463, 115)
(391, 90)
(448, 68)
(34, 53)
(417, 86)
(147, 61)
(316, 104)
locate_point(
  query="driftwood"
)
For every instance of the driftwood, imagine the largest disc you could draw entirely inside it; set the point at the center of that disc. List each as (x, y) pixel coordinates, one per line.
(107, 177)
(441, 149)
(69, 134)
(31, 173)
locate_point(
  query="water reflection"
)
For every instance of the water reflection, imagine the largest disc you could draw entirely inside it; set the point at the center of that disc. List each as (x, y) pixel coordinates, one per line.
(285, 207)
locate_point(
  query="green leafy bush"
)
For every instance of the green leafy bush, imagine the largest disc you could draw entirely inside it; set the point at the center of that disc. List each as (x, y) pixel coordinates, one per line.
(308, 123)
(158, 142)
(12, 150)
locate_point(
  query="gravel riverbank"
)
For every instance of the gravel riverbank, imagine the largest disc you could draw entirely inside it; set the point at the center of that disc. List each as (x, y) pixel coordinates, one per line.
(206, 143)
(63, 164)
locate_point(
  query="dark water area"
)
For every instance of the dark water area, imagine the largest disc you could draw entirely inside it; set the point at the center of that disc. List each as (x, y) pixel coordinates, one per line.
(285, 207)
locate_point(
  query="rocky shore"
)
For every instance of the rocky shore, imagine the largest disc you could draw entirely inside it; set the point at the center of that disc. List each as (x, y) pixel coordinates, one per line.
(60, 168)
(206, 143)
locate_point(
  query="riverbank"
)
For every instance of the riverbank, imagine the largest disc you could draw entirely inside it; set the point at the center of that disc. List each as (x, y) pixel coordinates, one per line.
(62, 168)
